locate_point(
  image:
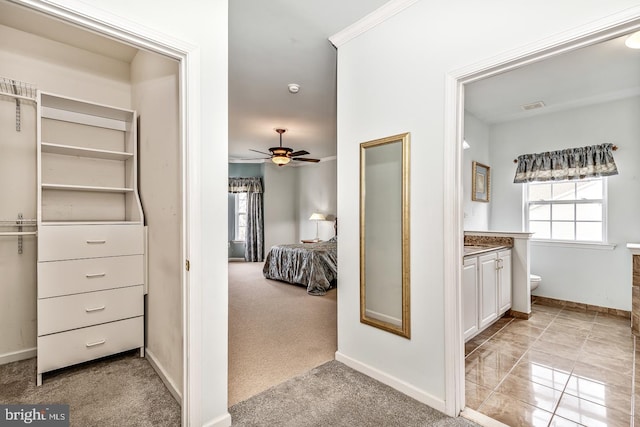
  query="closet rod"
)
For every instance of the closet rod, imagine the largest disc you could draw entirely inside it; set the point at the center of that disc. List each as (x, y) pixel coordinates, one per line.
(18, 233)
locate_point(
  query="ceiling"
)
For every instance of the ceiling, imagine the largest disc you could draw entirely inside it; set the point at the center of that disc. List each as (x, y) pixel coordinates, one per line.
(274, 43)
(21, 18)
(277, 42)
(590, 75)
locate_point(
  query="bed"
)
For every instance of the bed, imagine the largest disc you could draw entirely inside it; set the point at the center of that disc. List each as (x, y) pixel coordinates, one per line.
(314, 265)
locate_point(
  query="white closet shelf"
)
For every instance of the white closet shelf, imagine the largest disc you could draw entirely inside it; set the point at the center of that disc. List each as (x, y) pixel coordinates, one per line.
(70, 150)
(87, 188)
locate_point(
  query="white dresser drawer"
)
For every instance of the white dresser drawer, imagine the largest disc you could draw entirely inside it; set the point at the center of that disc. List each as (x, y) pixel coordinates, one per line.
(68, 348)
(63, 242)
(92, 308)
(56, 278)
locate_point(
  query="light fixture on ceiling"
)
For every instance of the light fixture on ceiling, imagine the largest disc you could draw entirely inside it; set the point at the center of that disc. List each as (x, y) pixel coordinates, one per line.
(317, 217)
(279, 155)
(294, 87)
(633, 41)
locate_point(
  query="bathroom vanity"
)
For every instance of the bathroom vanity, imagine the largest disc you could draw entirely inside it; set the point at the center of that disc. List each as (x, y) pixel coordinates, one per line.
(486, 286)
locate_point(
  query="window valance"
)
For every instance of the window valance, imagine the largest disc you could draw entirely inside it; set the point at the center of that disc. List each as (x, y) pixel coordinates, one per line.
(245, 185)
(571, 163)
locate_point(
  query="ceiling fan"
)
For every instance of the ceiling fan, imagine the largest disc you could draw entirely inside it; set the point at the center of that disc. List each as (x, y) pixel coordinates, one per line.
(283, 155)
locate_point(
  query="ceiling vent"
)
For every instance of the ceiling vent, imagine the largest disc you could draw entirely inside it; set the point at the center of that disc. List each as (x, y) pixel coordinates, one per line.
(532, 106)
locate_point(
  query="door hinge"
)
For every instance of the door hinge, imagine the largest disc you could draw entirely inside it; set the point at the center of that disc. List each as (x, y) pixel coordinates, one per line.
(187, 265)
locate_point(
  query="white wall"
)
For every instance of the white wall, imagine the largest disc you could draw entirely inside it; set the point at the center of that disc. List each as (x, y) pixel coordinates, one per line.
(317, 193)
(155, 96)
(52, 67)
(391, 79)
(279, 198)
(476, 133)
(598, 277)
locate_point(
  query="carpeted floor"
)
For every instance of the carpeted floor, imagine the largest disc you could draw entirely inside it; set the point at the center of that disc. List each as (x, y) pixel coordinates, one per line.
(336, 395)
(121, 390)
(276, 330)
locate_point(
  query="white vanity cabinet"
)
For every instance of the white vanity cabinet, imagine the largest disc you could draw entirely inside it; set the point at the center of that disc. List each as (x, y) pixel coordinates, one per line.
(91, 244)
(486, 289)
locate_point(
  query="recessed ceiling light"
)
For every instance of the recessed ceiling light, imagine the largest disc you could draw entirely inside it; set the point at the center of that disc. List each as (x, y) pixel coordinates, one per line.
(294, 87)
(633, 41)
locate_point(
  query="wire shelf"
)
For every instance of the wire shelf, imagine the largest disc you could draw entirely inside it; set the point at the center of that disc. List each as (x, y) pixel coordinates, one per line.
(17, 88)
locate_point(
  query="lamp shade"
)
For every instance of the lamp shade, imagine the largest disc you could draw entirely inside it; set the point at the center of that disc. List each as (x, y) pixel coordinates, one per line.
(317, 217)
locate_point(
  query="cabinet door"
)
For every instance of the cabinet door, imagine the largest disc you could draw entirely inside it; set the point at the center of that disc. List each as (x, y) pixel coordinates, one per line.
(504, 280)
(488, 275)
(470, 297)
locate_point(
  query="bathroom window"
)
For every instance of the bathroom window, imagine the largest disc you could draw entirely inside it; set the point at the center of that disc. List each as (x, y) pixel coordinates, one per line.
(567, 210)
(241, 216)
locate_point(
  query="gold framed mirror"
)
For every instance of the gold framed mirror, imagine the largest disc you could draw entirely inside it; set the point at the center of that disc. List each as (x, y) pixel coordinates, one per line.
(384, 234)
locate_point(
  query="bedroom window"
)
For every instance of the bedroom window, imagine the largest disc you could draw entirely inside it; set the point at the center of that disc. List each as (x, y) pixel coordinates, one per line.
(567, 210)
(241, 216)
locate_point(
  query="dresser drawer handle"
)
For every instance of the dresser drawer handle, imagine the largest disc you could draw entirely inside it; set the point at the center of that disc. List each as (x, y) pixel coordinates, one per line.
(96, 242)
(93, 344)
(90, 310)
(92, 275)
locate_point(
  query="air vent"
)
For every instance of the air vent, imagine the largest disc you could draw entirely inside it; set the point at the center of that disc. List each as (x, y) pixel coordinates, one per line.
(532, 106)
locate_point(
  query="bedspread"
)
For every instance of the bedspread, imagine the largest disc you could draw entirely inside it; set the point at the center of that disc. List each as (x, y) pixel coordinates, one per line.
(314, 265)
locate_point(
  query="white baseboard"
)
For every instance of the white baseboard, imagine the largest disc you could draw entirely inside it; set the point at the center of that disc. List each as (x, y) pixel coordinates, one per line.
(153, 361)
(401, 386)
(481, 419)
(223, 421)
(15, 356)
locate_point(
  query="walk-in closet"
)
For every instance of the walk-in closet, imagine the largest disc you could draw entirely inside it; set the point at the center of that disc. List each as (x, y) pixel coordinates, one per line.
(91, 210)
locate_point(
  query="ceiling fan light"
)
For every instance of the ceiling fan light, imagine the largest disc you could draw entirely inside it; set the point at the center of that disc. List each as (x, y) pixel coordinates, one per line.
(280, 160)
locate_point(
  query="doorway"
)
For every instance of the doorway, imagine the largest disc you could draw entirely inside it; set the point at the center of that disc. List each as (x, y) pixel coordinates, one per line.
(592, 35)
(187, 99)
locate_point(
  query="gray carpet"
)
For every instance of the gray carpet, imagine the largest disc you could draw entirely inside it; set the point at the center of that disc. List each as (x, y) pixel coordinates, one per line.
(334, 395)
(121, 390)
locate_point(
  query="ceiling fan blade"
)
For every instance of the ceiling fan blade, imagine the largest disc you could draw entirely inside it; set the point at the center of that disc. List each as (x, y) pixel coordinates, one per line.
(299, 153)
(261, 152)
(302, 159)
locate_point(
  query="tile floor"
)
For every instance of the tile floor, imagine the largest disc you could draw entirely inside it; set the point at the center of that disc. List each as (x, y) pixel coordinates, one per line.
(561, 367)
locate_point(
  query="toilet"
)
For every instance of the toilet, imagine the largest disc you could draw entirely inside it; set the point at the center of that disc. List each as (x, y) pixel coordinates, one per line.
(535, 280)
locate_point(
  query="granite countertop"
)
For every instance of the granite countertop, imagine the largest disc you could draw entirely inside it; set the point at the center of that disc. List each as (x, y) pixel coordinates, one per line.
(480, 249)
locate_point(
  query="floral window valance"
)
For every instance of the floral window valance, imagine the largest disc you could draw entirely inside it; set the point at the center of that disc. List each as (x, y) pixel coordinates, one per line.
(571, 163)
(245, 185)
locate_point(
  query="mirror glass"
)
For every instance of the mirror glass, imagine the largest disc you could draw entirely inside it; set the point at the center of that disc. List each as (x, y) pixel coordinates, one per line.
(384, 234)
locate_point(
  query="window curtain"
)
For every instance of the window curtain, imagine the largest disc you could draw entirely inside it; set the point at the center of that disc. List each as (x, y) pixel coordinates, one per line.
(254, 245)
(571, 163)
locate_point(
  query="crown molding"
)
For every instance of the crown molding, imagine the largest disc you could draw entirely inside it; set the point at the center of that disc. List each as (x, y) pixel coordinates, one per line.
(376, 17)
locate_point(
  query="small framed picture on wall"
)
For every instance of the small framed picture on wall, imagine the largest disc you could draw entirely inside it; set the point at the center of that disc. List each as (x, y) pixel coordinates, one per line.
(480, 182)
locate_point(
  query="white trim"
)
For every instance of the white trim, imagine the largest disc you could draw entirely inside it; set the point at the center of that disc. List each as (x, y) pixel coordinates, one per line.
(393, 382)
(376, 17)
(16, 356)
(591, 33)
(223, 421)
(573, 244)
(162, 373)
(481, 419)
(99, 21)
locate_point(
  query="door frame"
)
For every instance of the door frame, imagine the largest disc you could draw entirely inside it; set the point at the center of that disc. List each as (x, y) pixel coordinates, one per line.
(595, 32)
(188, 56)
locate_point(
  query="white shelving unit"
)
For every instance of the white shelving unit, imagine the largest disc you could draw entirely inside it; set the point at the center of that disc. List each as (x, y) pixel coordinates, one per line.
(91, 233)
